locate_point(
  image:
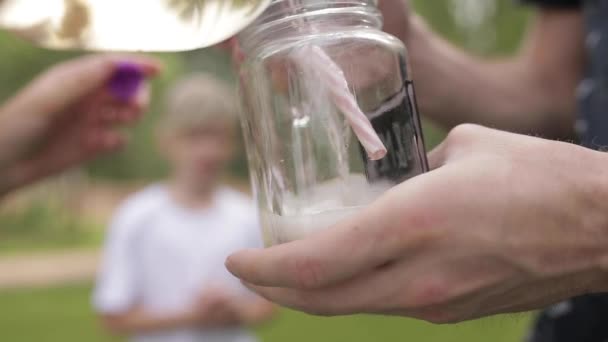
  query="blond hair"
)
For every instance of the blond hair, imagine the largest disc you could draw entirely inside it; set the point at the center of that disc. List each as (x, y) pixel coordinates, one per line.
(197, 100)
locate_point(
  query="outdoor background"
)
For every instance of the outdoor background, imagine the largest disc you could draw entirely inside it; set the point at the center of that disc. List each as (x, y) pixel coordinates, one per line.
(50, 234)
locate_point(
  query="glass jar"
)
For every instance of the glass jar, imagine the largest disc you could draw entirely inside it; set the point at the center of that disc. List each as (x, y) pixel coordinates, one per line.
(329, 113)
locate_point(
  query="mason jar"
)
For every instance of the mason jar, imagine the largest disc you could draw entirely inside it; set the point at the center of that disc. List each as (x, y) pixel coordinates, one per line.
(329, 113)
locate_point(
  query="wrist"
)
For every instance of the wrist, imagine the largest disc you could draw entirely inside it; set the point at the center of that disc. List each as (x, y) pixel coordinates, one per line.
(417, 35)
(244, 314)
(191, 317)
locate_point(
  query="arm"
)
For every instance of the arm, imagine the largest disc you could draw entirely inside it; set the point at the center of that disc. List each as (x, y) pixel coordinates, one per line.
(138, 320)
(211, 312)
(532, 92)
(255, 312)
(64, 118)
(214, 309)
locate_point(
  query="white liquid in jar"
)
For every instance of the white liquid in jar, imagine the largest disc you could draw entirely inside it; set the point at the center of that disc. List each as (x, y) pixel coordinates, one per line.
(128, 25)
(319, 208)
(281, 229)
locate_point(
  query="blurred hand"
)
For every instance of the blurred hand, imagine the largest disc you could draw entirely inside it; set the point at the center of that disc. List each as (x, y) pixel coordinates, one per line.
(504, 223)
(216, 308)
(65, 117)
(397, 17)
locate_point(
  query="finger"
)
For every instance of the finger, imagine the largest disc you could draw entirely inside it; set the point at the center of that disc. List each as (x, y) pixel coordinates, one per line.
(238, 55)
(462, 141)
(73, 81)
(350, 297)
(406, 288)
(386, 230)
(118, 112)
(104, 108)
(142, 99)
(409, 285)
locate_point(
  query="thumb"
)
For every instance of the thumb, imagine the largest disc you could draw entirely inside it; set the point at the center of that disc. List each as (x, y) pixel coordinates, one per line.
(70, 82)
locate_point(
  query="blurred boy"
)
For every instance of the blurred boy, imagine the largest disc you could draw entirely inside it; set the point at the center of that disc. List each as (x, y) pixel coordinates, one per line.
(163, 276)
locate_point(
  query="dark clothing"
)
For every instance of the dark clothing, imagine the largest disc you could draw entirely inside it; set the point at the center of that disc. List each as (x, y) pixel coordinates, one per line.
(584, 319)
(593, 91)
(556, 3)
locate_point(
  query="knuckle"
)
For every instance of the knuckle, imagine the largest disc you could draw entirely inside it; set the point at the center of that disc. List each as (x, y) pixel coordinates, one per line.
(463, 134)
(421, 220)
(308, 273)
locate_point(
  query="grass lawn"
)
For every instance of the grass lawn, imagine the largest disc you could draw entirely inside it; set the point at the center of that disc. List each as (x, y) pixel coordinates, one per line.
(44, 227)
(63, 315)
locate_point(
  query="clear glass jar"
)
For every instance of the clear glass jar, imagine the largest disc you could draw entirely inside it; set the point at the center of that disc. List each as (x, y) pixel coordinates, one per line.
(310, 66)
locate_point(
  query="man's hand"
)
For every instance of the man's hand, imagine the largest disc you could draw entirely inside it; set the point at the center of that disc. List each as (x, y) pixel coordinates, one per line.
(504, 223)
(65, 117)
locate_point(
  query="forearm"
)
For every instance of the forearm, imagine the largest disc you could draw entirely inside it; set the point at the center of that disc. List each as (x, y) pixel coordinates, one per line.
(14, 128)
(256, 312)
(532, 92)
(457, 88)
(138, 321)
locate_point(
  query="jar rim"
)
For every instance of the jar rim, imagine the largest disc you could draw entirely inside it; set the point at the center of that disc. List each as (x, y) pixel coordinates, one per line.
(279, 9)
(281, 12)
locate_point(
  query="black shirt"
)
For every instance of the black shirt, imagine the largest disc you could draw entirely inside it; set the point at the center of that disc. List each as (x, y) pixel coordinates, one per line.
(584, 319)
(555, 3)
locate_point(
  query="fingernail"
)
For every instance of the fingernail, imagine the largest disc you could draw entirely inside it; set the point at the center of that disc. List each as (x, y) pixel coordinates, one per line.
(126, 81)
(228, 263)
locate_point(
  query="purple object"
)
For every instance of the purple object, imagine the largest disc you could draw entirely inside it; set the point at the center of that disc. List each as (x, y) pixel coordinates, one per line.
(126, 81)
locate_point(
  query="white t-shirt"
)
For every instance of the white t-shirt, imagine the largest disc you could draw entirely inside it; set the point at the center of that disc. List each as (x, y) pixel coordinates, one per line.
(161, 256)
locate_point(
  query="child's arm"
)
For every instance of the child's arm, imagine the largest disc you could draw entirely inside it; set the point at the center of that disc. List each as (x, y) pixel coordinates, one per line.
(138, 320)
(66, 117)
(214, 310)
(254, 312)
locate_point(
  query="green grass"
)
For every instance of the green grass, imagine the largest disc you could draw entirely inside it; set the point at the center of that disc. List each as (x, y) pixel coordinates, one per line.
(43, 227)
(49, 315)
(64, 315)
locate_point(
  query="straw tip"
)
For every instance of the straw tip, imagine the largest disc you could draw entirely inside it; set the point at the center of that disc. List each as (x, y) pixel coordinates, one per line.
(377, 155)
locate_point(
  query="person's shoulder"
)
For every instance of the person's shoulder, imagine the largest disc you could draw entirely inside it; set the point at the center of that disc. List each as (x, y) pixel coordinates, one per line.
(141, 205)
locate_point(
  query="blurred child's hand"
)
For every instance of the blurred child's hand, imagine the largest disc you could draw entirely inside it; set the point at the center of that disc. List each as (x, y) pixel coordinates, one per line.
(215, 308)
(65, 117)
(213, 297)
